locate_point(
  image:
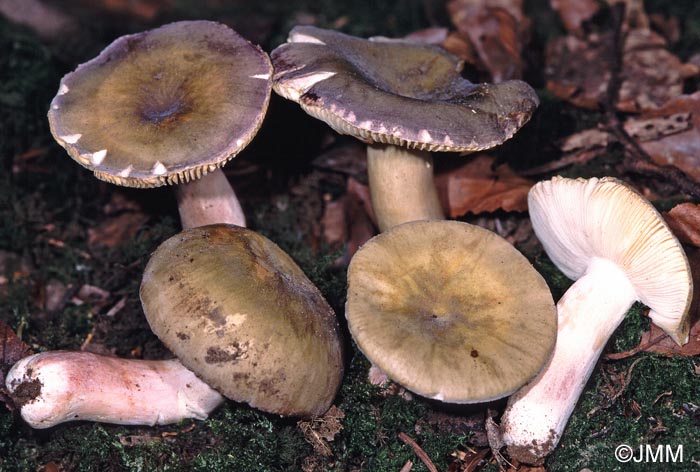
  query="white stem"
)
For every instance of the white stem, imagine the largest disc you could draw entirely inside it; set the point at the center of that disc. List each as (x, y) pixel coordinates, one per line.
(402, 186)
(54, 387)
(588, 313)
(208, 200)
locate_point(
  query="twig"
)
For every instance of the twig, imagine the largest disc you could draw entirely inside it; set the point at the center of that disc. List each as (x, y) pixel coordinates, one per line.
(616, 356)
(407, 467)
(636, 159)
(406, 439)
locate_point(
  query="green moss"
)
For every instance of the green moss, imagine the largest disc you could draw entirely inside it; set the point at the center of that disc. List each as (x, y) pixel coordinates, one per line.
(662, 388)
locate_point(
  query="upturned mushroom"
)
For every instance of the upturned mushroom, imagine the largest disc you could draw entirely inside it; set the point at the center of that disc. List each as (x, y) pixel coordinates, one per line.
(402, 98)
(167, 106)
(240, 315)
(607, 237)
(437, 307)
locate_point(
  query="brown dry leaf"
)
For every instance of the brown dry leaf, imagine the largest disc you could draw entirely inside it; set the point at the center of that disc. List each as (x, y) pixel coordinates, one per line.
(116, 230)
(574, 13)
(668, 26)
(497, 30)
(47, 21)
(475, 187)
(681, 148)
(12, 349)
(460, 46)
(348, 159)
(517, 467)
(468, 461)
(655, 340)
(319, 431)
(635, 15)
(334, 222)
(578, 70)
(684, 221)
(435, 36)
(361, 216)
(145, 10)
(651, 74)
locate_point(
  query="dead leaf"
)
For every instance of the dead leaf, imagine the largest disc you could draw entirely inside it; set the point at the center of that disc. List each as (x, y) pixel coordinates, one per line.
(682, 148)
(48, 22)
(319, 431)
(349, 159)
(616, 383)
(144, 10)
(360, 214)
(652, 75)
(470, 460)
(668, 26)
(13, 267)
(435, 36)
(475, 187)
(578, 70)
(460, 46)
(656, 340)
(54, 296)
(117, 230)
(635, 15)
(684, 221)
(497, 30)
(12, 349)
(574, 13)
(334, 222)
(647, 128)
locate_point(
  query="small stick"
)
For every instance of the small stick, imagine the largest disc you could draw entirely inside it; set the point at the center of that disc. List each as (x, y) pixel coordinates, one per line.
(616, 356)
(406, 439)
(407, 467)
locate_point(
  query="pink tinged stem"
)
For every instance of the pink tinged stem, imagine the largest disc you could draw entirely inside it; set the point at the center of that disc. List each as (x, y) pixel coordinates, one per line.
(589, 312)
(54, 387)
(208, 200)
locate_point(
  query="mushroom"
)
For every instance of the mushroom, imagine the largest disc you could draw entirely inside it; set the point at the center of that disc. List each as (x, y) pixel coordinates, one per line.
(53, 387)
(241, 314)
(237, 312)
(167, 106)
(617, 247)
(450, 311)
(404, 99)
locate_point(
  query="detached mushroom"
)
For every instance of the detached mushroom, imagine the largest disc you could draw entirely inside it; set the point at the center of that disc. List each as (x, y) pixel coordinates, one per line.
(167, 106)
(234, 308)
(450, 311)
(617, 247)
(54, 387)
(404, 99)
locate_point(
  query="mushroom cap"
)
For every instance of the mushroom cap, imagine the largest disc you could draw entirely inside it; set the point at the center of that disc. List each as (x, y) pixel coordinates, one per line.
(450, 311)
(397, 92)
(238, 312)
(163, 106)
(578, 220)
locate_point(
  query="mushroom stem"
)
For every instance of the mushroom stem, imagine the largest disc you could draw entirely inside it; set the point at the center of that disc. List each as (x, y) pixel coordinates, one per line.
(401, 184)
(208, 200)
(589, 312)
(54, 387)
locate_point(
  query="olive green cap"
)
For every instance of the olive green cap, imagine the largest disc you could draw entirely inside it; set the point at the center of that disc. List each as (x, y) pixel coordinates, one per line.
(163, 106)
(238, 312)
(397, 92)
(450, 311)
